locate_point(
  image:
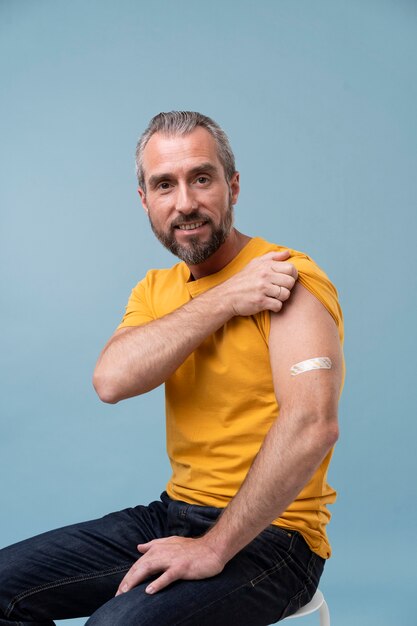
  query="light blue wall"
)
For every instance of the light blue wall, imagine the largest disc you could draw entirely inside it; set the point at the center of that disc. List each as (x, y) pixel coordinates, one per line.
(319, 100)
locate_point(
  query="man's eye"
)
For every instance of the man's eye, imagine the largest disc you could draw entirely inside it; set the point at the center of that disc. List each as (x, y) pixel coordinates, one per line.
(164, 186)
(202, 180)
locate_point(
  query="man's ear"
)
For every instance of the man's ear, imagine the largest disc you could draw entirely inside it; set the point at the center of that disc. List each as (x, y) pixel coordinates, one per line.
(235, 187)
(142, 195)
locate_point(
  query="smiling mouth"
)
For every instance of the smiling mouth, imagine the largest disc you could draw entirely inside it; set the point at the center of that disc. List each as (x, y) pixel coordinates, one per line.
(190, 226)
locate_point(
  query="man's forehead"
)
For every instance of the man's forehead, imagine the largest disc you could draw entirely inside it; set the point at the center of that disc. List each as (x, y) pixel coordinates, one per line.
(173, 151)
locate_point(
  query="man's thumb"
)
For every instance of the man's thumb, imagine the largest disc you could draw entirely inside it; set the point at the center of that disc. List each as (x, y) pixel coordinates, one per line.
(282, 255)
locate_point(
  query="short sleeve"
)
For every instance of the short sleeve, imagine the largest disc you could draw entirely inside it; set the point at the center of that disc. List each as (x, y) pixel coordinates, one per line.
(138, 309)
(313, 278)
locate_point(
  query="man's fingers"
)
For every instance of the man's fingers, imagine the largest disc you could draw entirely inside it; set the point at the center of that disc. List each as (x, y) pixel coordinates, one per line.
(129, 581)
(280, 256)
(279, 293)
(164, 580)
(144, 547)
(285, 269)
(141, 570)
(285, 280)
(138, 572)
(273, 304)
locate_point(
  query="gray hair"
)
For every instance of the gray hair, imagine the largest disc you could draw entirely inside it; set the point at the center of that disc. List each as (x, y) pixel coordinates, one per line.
(182, 123)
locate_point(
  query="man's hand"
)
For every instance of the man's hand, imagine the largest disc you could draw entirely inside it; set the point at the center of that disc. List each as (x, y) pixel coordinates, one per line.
(263, 285)
(173, 558)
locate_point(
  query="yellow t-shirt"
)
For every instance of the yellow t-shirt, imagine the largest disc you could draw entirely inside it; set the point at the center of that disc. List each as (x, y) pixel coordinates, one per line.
(220, 403)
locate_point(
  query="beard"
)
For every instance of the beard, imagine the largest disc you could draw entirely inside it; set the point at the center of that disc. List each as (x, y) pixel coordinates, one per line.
(195, 251)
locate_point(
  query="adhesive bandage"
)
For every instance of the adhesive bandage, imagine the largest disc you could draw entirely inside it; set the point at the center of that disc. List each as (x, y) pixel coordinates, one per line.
(318, 363)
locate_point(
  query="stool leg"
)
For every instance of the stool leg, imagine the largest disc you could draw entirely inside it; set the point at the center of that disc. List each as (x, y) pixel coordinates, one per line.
(324, 614)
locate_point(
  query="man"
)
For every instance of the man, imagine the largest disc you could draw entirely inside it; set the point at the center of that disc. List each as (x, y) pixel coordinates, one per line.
(252, 388)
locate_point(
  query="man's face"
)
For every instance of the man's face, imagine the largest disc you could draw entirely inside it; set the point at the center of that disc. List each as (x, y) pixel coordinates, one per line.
(188, 200)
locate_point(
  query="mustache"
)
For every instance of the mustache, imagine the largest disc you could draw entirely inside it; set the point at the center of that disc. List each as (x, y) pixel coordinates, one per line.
(190, 218)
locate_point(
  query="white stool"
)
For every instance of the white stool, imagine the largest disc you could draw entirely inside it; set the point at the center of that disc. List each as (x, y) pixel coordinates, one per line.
(317, 603)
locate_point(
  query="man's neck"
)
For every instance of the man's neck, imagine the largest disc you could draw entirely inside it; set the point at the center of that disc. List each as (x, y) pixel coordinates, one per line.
(222, 257)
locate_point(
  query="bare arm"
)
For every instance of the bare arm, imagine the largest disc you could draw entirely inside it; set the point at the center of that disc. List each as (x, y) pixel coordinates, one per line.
(305, 432)
(292, 450)
(138, 359)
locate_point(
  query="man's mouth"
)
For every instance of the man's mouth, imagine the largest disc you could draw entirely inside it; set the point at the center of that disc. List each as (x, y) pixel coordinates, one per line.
(190, 226)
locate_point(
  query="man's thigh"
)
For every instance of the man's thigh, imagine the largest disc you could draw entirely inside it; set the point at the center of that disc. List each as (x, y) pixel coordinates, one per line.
(268, 580)
(71, 571)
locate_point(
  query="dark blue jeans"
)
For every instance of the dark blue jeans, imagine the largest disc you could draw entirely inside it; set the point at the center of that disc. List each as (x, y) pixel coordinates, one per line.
(75, 571)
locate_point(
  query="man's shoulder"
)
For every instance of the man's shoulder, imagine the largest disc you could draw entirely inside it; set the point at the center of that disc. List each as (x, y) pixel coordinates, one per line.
(155, 295)
(310, 274)
(164, 289)
(260, 246)
(302, 261)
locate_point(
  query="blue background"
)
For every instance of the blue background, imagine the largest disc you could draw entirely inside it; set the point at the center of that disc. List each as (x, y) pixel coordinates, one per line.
(319, 101)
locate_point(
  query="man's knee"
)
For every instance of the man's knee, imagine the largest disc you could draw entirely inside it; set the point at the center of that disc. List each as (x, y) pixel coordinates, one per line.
(134, 607)
(116, 612)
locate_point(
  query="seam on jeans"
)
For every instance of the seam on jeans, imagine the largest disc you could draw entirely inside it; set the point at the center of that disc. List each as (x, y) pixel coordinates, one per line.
(278, 566)
(268, 572)
(206, 606)
(61, 583)
(308, 581)
(296, 599)
(284, 562)
(310, 564)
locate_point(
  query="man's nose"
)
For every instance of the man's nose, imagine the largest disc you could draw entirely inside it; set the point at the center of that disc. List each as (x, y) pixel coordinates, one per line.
(185, 200)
